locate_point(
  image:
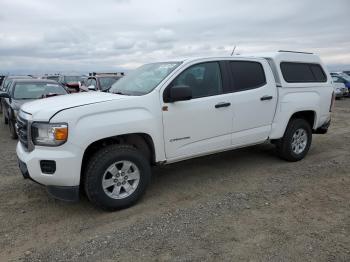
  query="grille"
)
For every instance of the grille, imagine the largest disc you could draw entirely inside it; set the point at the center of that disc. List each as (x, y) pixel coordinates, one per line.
(22, 130)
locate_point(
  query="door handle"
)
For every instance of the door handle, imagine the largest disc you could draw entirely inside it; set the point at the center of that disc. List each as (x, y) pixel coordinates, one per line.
(222, 104)
(266, 98)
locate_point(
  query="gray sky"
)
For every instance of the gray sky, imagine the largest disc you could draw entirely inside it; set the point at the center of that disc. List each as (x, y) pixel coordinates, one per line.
(81, 36)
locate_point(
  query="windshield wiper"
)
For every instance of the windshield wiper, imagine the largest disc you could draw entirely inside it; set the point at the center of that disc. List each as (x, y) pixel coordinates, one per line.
(120, 93)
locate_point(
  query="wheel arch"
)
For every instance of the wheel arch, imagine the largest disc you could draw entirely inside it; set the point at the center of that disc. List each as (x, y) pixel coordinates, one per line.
(309, 115)
(282, 120)
(141, 141)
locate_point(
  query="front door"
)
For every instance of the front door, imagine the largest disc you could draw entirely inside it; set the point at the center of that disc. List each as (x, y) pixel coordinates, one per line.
(202, 124)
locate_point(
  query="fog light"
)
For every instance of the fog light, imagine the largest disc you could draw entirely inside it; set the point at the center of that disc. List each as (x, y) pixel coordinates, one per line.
(48, 166)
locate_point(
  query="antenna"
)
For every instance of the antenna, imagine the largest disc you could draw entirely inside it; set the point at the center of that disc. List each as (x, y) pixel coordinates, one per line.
(233, 50)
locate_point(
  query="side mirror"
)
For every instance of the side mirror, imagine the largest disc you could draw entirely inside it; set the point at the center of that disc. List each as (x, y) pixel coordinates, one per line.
(4, 95)
(92, 88)
(180, 93)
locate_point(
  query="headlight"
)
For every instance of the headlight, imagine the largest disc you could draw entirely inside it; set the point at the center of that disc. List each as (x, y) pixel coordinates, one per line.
(47, 134)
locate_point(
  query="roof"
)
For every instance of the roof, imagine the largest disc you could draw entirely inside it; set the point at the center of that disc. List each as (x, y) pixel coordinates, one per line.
(291, 56)
(19, 77)
(277, 56)
(106, 75)
(34, 80)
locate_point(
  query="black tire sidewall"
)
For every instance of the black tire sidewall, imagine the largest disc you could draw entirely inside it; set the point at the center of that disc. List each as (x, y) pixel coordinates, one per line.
(95, 172)
(292, 128)
(12, 129)
(4, 119)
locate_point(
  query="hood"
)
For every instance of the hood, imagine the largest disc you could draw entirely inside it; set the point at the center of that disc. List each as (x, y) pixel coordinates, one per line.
(16, 104)
(44, 109)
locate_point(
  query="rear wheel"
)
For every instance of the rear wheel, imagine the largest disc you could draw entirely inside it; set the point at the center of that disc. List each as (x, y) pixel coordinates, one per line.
(296, 142)
(116, 177)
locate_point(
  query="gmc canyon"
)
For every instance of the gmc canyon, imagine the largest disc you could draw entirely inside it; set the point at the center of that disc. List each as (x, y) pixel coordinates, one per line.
(106, 143)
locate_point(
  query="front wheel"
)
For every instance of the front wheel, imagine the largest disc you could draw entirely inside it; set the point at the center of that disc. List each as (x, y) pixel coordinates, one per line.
(116, 177)
(12, 128)
(4, 118)
(296, 142)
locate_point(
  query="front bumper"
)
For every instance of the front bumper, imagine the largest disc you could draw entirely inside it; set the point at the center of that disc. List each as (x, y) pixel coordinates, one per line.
(66, 177)
(65, 193)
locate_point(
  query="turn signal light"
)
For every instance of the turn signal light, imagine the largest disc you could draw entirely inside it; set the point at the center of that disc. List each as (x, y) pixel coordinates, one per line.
(61, 133)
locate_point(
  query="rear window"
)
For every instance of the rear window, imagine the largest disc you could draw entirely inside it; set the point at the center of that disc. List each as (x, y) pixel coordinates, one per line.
(247, 75)
(302, 73)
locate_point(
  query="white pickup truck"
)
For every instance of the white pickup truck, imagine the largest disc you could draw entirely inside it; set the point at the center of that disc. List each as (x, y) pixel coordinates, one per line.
(106, 143)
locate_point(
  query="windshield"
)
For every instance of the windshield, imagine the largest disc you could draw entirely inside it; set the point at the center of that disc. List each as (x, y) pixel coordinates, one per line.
(143, 79)
(107, 82)
(68, 79)
(36, 90)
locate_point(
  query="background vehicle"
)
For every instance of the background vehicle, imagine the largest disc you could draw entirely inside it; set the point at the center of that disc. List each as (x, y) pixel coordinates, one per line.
(341, 78)
(167, 112)
(340, 89)
(25, 90)
(4, 86)
(71, 82)
(347, 72)
(51, 77)
(7, 79)
(102, 81)
(2, 79)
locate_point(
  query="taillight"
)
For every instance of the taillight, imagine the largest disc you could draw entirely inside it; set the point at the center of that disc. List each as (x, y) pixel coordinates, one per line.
(332, 102)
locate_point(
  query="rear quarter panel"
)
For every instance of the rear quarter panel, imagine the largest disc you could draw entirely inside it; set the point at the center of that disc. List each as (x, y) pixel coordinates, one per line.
(296, 97)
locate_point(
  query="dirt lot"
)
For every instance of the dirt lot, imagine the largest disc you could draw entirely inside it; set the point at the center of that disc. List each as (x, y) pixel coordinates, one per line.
(235, 206)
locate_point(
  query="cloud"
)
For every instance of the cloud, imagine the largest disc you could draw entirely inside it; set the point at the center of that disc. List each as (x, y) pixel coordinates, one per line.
(123, 43)
(84, 36)
(164, 35)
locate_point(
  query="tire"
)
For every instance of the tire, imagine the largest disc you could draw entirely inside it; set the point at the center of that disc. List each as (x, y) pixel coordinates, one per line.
(4, 118)
(297, 151)
(12, 128)
(108, 163)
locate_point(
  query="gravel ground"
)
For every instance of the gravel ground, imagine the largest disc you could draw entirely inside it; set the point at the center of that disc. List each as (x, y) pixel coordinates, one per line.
(243, 205)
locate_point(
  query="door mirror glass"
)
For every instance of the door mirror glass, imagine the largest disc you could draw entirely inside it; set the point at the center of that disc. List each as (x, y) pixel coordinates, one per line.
(180, 93)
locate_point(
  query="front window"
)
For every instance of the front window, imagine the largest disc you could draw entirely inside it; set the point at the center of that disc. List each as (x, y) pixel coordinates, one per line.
(204, 79)
(144, 79)
(36, 90)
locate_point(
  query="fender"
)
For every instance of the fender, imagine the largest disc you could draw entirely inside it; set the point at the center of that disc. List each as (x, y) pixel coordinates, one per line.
(90, 123)
(290, 104)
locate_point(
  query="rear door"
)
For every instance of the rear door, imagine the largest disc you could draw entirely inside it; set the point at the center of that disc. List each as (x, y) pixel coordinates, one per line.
(204, 123)
(254, 100)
